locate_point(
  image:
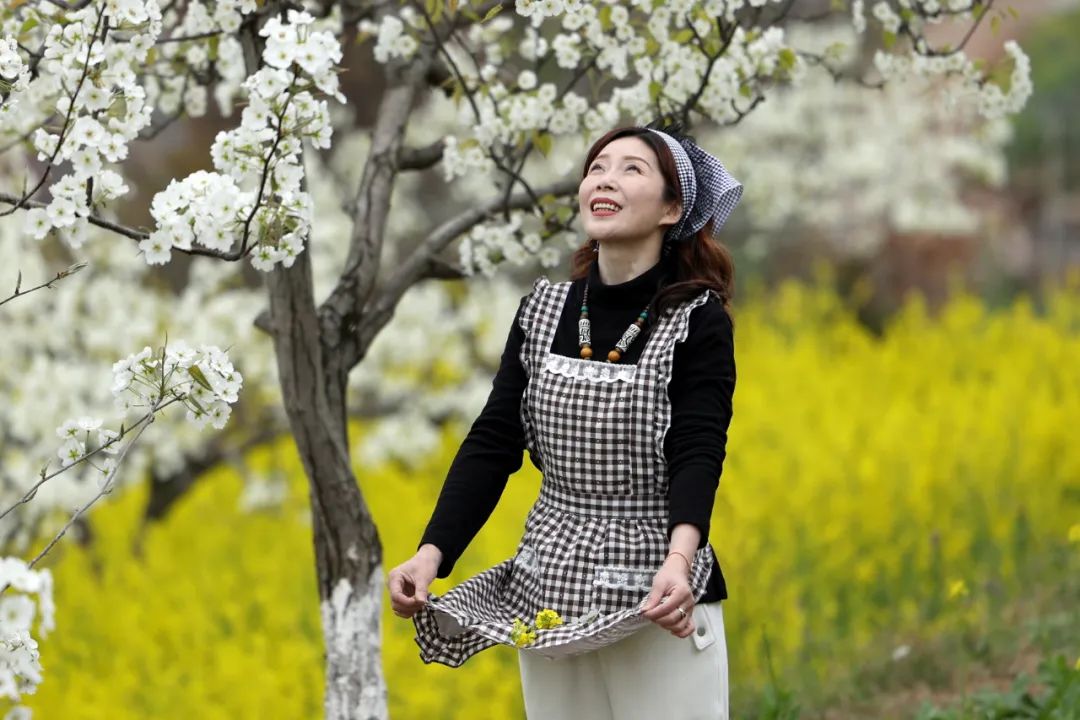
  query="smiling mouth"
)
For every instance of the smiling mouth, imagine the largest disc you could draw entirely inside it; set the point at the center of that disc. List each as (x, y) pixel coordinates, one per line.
(604, 208)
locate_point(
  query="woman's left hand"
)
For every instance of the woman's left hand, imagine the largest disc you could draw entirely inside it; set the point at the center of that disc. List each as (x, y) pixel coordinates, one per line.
(670, 591)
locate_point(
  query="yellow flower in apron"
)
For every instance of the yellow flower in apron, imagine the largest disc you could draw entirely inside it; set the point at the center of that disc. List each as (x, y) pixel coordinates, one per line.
(522, 634)
(547, 619)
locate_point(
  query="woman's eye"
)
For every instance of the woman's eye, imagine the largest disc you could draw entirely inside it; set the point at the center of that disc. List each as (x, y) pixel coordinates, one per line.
(635, 167)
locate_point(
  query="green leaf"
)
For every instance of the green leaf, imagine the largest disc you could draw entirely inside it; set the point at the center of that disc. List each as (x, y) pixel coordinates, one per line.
(995, 25)
(835, 49)
(198, 376)
(30, 24)
(495, 10)
(745, 90)
(655, 88)
(542, 141)
(605, 17)
(1014, 12)
(119, 108)
(683, 36)
(787, 58)
(888, 39)
(434, 9)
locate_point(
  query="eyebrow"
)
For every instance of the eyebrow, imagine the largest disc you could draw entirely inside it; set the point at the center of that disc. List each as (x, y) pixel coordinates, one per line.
(628, 157)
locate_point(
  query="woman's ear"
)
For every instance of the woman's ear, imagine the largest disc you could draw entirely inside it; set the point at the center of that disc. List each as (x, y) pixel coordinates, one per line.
(672, 215)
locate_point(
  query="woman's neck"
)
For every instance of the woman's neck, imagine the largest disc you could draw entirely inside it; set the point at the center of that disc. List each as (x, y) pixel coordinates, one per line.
(619, 263)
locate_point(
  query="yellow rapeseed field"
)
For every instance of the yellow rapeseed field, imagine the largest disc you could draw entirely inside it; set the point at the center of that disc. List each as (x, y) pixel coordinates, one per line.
(877, 491)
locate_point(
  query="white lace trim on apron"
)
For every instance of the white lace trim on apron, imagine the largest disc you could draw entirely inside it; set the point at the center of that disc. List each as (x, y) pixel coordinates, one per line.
(622, 578)
(589, 370)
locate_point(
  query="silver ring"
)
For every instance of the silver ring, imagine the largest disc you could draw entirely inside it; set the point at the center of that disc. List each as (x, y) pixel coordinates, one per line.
(682, 612)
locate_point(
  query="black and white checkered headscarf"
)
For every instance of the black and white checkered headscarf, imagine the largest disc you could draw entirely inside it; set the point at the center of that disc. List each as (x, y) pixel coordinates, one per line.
(708, 191)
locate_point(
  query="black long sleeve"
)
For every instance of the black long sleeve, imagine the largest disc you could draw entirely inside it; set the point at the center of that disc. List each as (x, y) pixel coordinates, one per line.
(701, 389)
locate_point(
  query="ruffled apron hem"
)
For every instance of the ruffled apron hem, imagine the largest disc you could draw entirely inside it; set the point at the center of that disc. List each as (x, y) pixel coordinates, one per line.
(449, 636)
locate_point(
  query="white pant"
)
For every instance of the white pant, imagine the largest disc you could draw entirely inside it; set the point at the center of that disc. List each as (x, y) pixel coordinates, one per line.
(650, 675)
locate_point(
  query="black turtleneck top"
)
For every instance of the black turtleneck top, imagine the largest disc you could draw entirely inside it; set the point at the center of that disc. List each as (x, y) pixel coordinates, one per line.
(701, 388)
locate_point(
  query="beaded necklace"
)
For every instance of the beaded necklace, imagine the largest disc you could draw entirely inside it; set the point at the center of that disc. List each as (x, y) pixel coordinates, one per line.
(585, 331)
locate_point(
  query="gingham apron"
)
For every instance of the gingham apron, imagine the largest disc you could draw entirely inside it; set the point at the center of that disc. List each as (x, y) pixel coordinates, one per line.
(597, 533)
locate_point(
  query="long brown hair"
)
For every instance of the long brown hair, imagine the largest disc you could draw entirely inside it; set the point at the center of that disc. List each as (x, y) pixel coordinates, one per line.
(699, 262)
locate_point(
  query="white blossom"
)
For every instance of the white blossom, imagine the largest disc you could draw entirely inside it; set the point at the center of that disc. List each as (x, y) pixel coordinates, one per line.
(214, 203)
(858, 16)
(527, 80)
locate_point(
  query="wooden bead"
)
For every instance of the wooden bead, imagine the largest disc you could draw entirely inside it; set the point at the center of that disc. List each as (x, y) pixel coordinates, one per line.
(586, 352)
(614, 356)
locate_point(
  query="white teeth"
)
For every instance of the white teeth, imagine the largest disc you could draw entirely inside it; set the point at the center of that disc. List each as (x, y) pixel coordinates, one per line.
(605, 206)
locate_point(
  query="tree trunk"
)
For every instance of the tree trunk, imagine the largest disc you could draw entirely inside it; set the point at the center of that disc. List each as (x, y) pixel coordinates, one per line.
(347, 548)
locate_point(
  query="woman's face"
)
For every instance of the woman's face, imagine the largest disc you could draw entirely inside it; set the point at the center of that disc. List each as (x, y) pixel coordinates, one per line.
(621, 196)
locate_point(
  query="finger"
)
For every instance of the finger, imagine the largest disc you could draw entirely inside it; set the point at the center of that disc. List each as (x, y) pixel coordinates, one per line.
(669, 618)
(405, 597)
(676, 598)
(406, 609)
(675, 617)
(398, 602)
(656, 596)
(686, 631)
(681, 623)
(410, 606)
(674, 595)
(398, 592)
(662, 605)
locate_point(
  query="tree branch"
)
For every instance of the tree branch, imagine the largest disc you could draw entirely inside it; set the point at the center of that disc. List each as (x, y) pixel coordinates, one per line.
(420, 158)
(980, 15)
(371, 205)
(48, 284)
(132, 233)
(378, 313)
(92, 219)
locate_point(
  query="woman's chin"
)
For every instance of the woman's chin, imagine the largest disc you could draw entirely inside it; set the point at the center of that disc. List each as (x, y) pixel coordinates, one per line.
(601, 231)
(612, 238)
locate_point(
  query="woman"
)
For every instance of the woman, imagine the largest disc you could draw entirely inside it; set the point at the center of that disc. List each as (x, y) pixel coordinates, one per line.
(620, 385)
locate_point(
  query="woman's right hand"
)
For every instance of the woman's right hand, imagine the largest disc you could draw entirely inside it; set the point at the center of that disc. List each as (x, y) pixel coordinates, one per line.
(408, 582)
